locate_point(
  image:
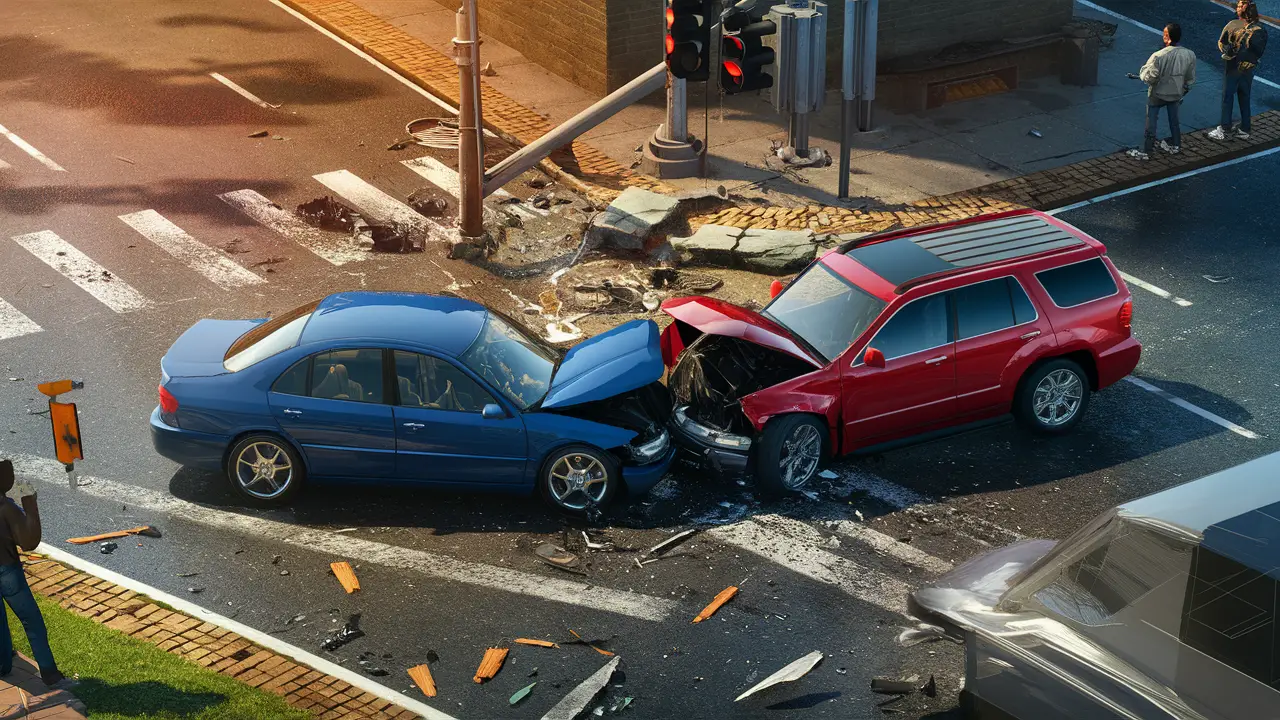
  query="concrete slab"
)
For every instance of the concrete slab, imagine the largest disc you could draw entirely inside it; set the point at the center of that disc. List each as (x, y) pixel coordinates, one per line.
(630, 219)
(1118, 119)
(775, 252)
(709, 245)
(1011, 144)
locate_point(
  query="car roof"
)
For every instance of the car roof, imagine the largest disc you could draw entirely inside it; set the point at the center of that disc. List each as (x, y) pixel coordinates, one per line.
(448, 324)
(903, 258)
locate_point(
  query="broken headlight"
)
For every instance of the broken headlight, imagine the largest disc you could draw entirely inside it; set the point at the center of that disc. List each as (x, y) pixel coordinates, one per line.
(652, 450)
(706, 434)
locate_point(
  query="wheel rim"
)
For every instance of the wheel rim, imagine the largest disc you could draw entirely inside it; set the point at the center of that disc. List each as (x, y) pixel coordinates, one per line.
(263, 470)
(800, 455)
(578, 479)
(1057, 398)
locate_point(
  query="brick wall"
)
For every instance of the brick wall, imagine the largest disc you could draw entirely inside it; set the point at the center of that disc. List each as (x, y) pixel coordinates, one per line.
(635, 39)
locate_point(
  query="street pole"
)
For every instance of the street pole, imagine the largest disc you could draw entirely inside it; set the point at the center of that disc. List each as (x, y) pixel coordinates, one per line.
(848, 104)
(470, 144)
(677, 127)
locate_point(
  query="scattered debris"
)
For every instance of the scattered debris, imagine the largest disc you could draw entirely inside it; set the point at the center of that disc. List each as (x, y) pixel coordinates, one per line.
(284, 572)
(620, 706)
(893, 686)
(107, 548)
(439, 133)
(556, 556)
(930, 688)
(423, 201)
(677, 539)
(346, 576)
(188, 575)
(541, 201)
(328, 214)
(521, 694)
(274, 260)
(580, 697)
(195, 590)
(400, 144)
(421, 676)
(537, 183)
(259, 134)
(488, 71)
(366, 664)
(146, 530)
(345, 634)
(606, 546)
(790, 673)
(275, 559)
(581, 641)
(563, 331)
(630, 219)
(536, 643)
(345, 530)
(1218, 278)
(532, 672)
(1035, 133)
(828, 475)
(716, 603)
(124, 159)
(641, 563)
(391, 237)
(924, 632)
(491, 664)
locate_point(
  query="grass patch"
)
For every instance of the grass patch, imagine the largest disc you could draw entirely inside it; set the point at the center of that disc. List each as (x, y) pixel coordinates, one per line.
(125, 678)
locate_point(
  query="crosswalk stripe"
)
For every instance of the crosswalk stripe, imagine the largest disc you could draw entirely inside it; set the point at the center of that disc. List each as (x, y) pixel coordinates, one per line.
(446, 178)
(4, 165)
(13, 323)
(331, 247)
(219, 270)
(30, 149)
(892, 547)
(77, 267)
(378, 205)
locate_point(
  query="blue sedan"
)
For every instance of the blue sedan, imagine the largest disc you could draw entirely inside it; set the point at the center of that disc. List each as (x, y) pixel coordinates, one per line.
(415, 388)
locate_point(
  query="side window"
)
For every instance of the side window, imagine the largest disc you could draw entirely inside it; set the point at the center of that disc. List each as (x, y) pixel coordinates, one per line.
(347, 375)
(294, 380)
(1230, 615)
(917, 326)
(983, 308)
(1023, 310)
(429, 382)
(1078, 283)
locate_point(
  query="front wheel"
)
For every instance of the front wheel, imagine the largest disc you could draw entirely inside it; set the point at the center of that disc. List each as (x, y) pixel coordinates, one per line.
(1053, 397)
(264, 470)
(791, 450)
(578, 477)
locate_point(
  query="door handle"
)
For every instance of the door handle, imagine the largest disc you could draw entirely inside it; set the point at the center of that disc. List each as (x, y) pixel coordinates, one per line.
(292, 413)
(935, 361)
(1033, 333)
(414, 426)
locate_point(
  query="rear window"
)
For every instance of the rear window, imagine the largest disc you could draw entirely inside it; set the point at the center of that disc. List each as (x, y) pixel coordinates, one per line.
(1078, 283)
(270, 338)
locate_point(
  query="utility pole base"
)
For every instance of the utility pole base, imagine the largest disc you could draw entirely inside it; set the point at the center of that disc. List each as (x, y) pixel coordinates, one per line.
(672, 159)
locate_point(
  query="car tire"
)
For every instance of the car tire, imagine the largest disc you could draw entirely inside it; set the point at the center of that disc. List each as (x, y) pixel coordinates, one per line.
(265, 470)
(1053, 397)
(792, 449)
(566, 467)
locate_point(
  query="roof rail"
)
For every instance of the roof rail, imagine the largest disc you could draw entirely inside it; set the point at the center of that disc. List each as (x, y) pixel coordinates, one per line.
(848, 245)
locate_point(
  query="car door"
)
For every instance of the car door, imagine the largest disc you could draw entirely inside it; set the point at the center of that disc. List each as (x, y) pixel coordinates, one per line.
(333, 406)
(441, 432)
(998, 334)
(917, 385)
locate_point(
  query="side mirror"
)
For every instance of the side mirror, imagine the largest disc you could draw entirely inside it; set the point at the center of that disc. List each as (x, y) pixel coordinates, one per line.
(873, 358)
(494, 411)
(775, 288)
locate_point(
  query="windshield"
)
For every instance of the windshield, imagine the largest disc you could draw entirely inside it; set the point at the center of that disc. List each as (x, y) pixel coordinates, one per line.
(271, 337)
(512, 361)
(824, 310)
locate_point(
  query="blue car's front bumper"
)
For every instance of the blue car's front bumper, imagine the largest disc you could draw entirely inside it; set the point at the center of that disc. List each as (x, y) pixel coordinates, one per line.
(640, 479)
(193, 449)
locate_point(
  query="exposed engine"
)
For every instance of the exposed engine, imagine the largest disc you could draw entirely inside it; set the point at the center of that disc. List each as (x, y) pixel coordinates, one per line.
(716, 371)
(645, 410)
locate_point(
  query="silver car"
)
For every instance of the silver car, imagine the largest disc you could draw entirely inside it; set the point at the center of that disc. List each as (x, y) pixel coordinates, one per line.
(1164, 607)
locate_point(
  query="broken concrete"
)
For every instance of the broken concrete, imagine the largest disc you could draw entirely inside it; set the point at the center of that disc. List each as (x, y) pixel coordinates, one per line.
(631, 219)
(709, 245)
(773, 252)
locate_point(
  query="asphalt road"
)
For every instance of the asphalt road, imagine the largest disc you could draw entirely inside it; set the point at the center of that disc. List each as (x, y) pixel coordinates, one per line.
(142, 126)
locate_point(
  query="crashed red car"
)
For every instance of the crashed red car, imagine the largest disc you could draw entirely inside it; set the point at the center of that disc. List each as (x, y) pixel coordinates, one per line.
(900, 335)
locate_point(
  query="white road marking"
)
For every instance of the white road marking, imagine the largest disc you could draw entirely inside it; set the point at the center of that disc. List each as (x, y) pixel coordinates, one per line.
(901, 498)
(4, 165)
(331, 247)
(886, 545)
(1158, 292)
(265, 640)
(1195, 409)
(446, 178)
(578, 594)
(13, 323)
(29, 149)
(242, 92)
(218, 268)
(377, 205)
(94, 279)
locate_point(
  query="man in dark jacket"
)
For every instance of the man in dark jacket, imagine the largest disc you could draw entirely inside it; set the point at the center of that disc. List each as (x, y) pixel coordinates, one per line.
(20, 528)
(1242, 43)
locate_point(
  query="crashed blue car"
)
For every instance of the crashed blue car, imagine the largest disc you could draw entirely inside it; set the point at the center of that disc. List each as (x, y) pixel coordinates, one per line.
(395, 388)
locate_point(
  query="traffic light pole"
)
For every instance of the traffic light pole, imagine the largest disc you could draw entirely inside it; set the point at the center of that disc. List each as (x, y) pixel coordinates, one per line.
(671, 152)
(470, 124)
(677, 125)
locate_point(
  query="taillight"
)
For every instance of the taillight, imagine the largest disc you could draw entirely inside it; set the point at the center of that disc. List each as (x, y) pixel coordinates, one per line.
(1126, 314)
(168, 403)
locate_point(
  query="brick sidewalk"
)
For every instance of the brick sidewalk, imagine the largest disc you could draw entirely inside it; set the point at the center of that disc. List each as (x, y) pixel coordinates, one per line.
(203, 643)
(24, 695)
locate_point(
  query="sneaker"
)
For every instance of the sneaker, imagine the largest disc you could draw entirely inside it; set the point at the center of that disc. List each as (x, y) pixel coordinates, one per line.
(1217, 134)
(1137, 154)
(1171, 149)
(1241, 135)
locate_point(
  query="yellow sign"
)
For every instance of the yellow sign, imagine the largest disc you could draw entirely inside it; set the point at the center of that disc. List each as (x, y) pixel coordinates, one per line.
(66, 431)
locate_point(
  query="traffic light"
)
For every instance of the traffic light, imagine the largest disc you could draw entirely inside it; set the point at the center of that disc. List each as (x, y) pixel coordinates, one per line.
(688, 39)
(743, 55)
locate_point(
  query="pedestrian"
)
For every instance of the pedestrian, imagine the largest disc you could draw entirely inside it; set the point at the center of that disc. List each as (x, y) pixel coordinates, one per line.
(1242, 43)
(1169, 74)
(20, 527)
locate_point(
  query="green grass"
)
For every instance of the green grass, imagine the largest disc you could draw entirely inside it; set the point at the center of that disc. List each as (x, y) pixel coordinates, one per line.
(124, 678)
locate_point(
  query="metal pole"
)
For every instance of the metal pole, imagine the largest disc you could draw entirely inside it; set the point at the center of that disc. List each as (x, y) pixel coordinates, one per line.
(470, 167)
(870, 26)
(677, 127)
(800, 126)
(848, 104)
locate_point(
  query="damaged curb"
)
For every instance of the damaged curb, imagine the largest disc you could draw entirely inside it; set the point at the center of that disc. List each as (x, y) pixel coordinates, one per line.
(771, 252)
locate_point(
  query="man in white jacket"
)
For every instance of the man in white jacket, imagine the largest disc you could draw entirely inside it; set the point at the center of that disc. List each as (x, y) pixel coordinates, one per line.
(1169, 74)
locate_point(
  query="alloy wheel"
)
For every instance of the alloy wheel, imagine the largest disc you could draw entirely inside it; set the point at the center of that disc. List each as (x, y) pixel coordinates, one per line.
(1057, 397)
(800, 455)
(264, 470)
(578, 479)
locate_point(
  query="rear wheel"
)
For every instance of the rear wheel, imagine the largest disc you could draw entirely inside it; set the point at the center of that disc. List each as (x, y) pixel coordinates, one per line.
(1053, 397)
(790, 453)
(579, 477)
(264, 470)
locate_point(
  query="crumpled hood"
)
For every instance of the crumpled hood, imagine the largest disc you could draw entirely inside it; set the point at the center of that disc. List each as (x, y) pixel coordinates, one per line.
(717, 317)
(619, 361)
(200, 350)
(977, 585)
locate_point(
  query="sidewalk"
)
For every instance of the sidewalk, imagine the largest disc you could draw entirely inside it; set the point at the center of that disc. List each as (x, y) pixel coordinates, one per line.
(24, 695)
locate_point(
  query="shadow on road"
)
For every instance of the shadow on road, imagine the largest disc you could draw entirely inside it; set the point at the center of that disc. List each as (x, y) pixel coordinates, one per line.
(209, 20)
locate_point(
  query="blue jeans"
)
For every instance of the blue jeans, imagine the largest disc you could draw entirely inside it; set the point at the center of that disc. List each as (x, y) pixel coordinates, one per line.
(16, 592)
(1153, 119)
(1236, 86)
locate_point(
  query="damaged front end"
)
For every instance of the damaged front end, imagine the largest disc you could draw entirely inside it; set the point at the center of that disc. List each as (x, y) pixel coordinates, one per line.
(645, 410)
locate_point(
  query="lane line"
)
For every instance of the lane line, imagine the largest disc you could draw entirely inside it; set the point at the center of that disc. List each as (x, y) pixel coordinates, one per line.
(77, 267)
(1194, 409)
(30, 149)
(577, 594)
(13, 323)
(1158, 292)
(377, 205)
(892, 547)
(446, 178)
(265, 640)
(1148, 28)
(331, 247)
(242, 92)
(216, 267)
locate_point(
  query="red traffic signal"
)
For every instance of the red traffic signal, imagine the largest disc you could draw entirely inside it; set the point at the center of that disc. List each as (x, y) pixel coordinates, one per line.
(688, 38)
(744, 56)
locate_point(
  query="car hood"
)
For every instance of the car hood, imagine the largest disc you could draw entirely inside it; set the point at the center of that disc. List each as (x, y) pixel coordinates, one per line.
(717, 317)
(612, 363)
(200, 350)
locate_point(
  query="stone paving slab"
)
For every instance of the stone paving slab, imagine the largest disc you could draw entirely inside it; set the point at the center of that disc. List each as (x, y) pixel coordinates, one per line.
(24, 695)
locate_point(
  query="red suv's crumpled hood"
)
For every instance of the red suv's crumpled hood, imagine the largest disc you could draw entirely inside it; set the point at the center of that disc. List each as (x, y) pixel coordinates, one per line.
(716, 317)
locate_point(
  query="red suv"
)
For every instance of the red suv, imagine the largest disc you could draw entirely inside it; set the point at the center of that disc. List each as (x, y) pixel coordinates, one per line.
(899, 335)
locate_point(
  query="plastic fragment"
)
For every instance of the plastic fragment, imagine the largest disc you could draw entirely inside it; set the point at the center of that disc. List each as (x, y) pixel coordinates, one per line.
(577, 700)
(723, 597)
(348, 632)
(536, 643)
(346, 576)
(146, 530)
(602, 651)
(671, 542)
(521, 694)
(107, 548)
(894, 686)
(491, 664)
(924, 632)
(421, 676)
(790, 673)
